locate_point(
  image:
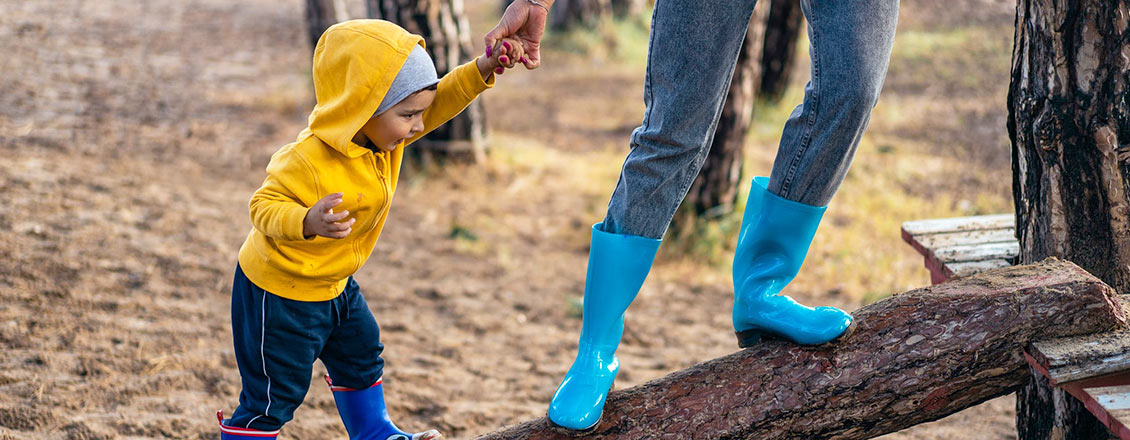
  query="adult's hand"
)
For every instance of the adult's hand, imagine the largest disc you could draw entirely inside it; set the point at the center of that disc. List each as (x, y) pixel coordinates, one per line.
(524, 21)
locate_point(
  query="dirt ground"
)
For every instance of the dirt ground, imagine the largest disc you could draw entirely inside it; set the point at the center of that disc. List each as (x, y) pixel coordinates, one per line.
(134, 132)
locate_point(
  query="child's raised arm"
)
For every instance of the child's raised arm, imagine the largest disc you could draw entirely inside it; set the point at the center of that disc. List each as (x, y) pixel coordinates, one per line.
(464, 83)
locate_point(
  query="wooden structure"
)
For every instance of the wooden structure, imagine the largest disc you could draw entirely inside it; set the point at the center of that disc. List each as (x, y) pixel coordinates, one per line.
(914, 357)
(1095, 369)
(963, 246)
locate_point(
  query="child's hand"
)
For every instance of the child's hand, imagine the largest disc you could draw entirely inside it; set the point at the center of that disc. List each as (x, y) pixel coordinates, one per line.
(321, 219)
(505, 54)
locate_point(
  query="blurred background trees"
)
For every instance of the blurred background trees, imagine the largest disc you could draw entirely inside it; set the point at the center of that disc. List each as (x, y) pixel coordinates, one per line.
(443, 24)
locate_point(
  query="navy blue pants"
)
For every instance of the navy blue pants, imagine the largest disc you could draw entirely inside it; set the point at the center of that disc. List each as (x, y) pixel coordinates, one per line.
(278, 339)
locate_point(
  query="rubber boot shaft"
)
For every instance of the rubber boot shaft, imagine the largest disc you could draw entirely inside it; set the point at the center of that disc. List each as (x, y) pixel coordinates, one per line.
(775, 236)
(618, 265)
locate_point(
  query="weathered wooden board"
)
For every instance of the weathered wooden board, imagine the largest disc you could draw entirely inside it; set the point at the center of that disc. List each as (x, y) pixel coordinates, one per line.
(977, 252)
(1094, 369)
(1115, 401)
(1083, 357)
(947, 239)
(963, 246)
(968, 268)
(960, 224)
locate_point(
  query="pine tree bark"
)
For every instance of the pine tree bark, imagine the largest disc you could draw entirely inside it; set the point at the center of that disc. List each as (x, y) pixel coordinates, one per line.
(782, 32)
(714, 191)
(1069, 122)
(914, 357)
(445, 29)
(320, 15)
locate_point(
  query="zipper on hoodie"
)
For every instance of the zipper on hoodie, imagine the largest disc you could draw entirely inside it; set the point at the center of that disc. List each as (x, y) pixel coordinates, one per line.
(383, 171)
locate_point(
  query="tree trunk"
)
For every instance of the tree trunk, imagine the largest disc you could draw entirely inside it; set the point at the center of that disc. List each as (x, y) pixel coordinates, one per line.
(446, 32)
(782, 31)
(569, 14)
(320, 15)
(715, 190)
(1069, 122)
(913, 358)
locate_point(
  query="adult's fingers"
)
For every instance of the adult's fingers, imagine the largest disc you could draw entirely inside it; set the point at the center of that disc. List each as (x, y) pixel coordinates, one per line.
(493, 36)
(510, 22)
(532, 60)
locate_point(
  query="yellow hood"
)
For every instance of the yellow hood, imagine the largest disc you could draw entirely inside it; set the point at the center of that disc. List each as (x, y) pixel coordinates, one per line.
(355, 63)
(349, 88)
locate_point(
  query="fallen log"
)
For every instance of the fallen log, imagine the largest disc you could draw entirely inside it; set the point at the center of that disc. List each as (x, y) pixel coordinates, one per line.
(913, 358)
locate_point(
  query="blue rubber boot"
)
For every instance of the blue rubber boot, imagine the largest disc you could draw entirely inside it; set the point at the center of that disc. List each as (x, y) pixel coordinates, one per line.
(365, 415)
(618, 265)
(233, 433)
(774, 240)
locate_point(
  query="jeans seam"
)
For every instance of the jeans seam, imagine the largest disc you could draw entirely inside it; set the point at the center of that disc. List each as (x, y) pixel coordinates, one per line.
(810, 122)
(647, 89)
(649, 98)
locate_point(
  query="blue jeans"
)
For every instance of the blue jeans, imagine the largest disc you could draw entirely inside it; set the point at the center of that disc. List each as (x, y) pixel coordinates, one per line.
(850, 47)
(278, 339)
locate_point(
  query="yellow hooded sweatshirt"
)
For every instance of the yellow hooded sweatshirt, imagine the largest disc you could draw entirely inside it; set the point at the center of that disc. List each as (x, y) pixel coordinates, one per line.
(354, 65)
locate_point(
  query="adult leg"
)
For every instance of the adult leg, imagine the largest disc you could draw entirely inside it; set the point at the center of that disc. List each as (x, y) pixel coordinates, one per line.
(850, 47)
(691, 58)
(694, 46)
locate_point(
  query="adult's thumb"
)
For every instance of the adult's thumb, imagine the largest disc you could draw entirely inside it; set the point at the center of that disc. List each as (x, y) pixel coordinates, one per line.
(494, 35)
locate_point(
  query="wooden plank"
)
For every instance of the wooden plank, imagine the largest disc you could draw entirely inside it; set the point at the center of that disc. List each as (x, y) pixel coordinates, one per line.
(977, 252)
(1116, 398)
(1083, 357)
(1109, 404)
(955, 224)
(1122, 418)
(1086, 356)
(946, 239)
(964, 269)
(963, 246)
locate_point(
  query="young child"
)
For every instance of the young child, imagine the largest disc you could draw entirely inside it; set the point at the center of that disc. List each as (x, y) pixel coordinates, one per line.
(317, 217)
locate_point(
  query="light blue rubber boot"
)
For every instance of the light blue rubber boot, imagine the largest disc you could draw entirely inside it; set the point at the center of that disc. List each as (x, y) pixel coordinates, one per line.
(234, 433)
(618, 265)
(774, 240)
(365, 415)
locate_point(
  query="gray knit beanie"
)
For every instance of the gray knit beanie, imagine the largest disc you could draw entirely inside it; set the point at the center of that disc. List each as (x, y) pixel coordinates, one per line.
(417, 74)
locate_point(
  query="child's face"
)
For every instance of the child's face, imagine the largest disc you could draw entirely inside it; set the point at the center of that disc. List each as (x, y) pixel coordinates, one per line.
(402, 121)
